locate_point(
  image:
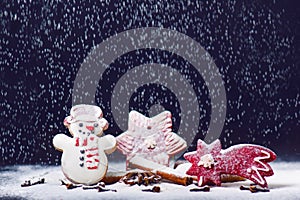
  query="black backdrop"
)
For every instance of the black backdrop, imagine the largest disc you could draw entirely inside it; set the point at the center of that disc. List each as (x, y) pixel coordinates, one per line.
(255, 45)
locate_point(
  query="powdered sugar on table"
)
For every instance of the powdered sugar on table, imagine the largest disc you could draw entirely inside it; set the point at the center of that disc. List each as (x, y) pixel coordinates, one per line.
(283, 184)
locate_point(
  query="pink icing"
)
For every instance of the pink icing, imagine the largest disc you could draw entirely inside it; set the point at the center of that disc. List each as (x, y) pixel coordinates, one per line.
(150, 138)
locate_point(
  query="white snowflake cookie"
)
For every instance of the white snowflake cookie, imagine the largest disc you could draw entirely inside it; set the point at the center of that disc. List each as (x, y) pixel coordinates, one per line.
(84, 155)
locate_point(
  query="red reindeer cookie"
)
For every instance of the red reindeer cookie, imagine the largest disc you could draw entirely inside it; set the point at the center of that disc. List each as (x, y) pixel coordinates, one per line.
(150, 138)
(245, 160)
(83, 159)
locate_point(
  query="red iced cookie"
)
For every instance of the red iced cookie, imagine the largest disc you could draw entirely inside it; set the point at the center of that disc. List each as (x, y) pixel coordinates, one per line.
(245, 160)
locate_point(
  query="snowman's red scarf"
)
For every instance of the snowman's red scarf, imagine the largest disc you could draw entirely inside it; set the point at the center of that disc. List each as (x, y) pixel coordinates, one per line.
(91, 149)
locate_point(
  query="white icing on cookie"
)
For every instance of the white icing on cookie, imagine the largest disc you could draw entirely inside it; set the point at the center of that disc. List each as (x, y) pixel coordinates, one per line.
(84, 159)
(207, 161)
(200, 180)
(150, 143)
(265, 168)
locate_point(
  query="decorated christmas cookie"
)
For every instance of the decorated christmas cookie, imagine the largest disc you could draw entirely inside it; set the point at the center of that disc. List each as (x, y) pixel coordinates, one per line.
(150, 138)
(245, 160)
(84, 160)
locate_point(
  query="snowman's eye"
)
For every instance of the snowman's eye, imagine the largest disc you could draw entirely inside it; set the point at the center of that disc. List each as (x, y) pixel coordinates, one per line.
(79, 131)
(80, 124)
(96, 125)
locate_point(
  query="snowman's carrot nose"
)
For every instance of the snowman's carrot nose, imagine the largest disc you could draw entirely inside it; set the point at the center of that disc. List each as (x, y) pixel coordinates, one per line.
(91, 128)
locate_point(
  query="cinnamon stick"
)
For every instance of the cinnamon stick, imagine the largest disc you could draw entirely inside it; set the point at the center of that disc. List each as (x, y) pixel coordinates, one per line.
(161, 170)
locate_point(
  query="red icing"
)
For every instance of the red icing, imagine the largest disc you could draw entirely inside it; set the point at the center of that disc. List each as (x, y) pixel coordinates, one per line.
(92, 155)
(92, 149)
(94, 167)
(77, 142)
(248, 161)
(90, 128)
(84, 142)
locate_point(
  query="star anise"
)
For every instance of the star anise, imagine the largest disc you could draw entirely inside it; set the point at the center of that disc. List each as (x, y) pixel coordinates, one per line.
(140, 178)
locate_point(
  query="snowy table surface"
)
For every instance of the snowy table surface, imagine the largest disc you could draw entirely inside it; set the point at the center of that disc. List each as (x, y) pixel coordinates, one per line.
(284, 184)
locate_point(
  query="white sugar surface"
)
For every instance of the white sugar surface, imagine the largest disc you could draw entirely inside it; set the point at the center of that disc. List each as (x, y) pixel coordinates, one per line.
(284, 184)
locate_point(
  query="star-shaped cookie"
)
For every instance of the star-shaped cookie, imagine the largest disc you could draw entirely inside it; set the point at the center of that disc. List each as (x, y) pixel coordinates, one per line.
(203, 162)
(209, 162)
(150, 138)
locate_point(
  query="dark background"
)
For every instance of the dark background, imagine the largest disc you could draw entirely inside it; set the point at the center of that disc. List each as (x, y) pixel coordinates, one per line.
(255, 45)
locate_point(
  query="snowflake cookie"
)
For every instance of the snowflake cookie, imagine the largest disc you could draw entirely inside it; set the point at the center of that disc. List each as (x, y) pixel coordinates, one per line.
(150, 138)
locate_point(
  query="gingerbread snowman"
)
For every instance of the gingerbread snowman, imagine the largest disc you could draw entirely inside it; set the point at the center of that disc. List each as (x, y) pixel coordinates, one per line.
(84, 158)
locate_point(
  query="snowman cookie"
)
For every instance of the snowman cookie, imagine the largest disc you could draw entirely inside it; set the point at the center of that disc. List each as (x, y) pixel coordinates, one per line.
(84, 155)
